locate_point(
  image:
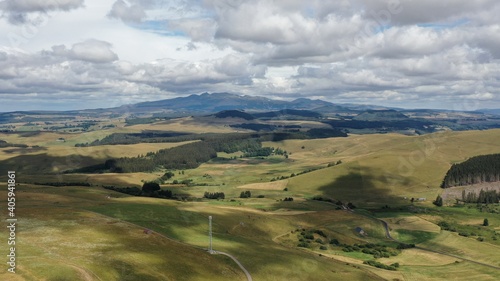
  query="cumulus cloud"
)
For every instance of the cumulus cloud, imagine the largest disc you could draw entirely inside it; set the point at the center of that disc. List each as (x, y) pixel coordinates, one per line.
(17, 11)
(88, 68)
(127, 12)
(392, 52)
(93, 51)
(407, 12)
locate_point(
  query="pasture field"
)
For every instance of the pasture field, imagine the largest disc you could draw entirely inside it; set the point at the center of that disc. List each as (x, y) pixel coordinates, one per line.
(77, 233)
(91, 233)
(60, 240)
(188, 125)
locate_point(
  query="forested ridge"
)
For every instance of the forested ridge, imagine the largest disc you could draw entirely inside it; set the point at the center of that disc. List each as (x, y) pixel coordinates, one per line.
(191, 155)
(186, 156)
(169, 137)
(478, 169)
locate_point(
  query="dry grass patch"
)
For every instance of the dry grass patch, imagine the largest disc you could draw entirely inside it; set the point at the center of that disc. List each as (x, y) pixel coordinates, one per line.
(186, 124)
(275, 185)
(419, 257)
(412, 223)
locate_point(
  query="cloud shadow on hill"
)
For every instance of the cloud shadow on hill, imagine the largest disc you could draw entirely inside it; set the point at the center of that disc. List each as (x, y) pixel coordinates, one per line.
(366, 187)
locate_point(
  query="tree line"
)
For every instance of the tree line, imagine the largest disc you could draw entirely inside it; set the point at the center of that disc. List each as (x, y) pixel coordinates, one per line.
(187, 156)
(478, 169)
(484, 197)
(149, 189)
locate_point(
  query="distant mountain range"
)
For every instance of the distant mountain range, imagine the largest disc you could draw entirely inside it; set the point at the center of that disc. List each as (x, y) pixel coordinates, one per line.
(256, 111)
(216, 102)
(207, 103)
(211, 103)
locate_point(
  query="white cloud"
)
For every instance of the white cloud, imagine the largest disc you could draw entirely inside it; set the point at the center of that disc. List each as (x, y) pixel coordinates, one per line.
(93, 51)
(395, 52)
(127, 12)
(17, 11)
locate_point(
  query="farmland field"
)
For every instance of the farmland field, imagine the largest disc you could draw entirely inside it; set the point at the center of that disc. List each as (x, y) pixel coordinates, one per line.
(103, 231)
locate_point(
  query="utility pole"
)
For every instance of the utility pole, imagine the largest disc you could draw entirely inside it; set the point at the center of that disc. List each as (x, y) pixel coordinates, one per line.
(210, 250)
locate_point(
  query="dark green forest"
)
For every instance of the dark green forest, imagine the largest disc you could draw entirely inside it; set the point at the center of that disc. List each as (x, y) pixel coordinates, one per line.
(478, 169)
(191, 155)
(186, 156)
(484, 197)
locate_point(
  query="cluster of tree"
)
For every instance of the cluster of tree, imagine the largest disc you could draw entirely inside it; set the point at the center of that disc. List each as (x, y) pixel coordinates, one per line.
(447, 226)
(6, 144)
(168, 175)
(288, 199)
(321, 198)
(402, 246)
(214, 195)
(186, 156)
(297, 174)
(484, 197)
(149, 189)
(245, 194)
(144, 137)
(260, 152)
(484, 168)
(377, 250)
(135, 191)
(307, 236)
(419, 124)
(377, 264)
(234, 114)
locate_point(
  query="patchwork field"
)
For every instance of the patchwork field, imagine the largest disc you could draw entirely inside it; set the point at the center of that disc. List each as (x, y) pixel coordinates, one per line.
(92, 233)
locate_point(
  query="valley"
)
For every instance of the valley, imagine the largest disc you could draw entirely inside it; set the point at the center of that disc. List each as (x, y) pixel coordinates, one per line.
(295, 197)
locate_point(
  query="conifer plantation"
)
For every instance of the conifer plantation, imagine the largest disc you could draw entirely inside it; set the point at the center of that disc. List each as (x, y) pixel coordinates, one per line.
(478, 169)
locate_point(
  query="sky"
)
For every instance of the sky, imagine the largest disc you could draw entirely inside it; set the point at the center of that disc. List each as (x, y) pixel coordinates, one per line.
(76, 54)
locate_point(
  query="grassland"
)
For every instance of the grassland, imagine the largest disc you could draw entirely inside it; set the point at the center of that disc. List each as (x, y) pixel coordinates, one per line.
(74, 233)
(379, 174)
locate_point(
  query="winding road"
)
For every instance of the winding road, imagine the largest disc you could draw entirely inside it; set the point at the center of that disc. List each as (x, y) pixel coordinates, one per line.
(249, 277)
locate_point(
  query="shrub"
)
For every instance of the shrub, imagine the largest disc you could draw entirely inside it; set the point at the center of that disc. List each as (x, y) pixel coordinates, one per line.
(303, 245)
(309, 236)
(150, 186)
(334, 242)
(245, 194)
(320, 232)
(380, 265)
(396, 264)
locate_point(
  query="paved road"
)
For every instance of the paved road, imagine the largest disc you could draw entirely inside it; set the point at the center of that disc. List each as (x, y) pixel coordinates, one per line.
(249, 277)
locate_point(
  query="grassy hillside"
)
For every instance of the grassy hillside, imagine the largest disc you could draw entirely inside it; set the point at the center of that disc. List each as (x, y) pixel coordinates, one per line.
(59, 240)
(79, 233)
